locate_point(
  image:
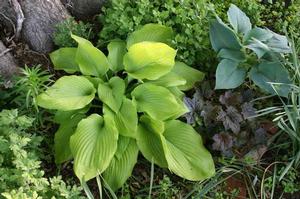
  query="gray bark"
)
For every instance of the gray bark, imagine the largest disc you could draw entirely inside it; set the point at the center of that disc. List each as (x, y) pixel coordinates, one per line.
(7, 15)
(41, 16)
(84, 9)
(8, 65)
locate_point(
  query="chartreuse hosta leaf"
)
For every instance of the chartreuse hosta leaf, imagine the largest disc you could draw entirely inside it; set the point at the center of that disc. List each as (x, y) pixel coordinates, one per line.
(68, 93)
(190, 75)
(151, 32)
(149, 141)
(93, 146)
(185, 153)
(125, 119)
(64, 59)
(149, 60)
(171, 79)
(116, 52)
(175, 145)
(62, 138)
(157, 101)
(111, 93)
(90, 59)
(121, 166)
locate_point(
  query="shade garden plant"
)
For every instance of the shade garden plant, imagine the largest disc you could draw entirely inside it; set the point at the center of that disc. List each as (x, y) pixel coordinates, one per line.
(111, 107)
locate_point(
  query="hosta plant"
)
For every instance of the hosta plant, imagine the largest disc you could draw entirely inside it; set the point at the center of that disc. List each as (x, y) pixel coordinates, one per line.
(123, 103)
(246, 51)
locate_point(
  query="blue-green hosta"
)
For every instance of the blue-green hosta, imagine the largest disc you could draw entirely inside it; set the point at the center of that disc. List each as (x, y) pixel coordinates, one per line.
(244, 51)
(123, 103)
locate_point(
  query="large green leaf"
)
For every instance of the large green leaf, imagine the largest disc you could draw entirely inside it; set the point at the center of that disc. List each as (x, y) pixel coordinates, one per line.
(238, 20)
(116, 52)
(184, 151)
(221, 36)
(93, 146)
(169, 80)
(235, 55)
(62, 138)
(121, 166)
(149, 60)
(190, 74)
(111, 93)
(90, 59)
(229, 74)
(64, 59)
(126, 118)
(271, 72)
(259, 34)
(151, 32)
(68, 93)
(157, 101)
(149, 141)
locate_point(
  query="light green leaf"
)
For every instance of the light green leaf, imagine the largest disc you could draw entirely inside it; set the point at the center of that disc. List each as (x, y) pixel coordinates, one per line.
(68, 93)
(95, 81)
(149, 60)
(258, 47)
(157, 101)
(229, 74)
(190, 74)
(271, 72)
(111, 93)
(169, 80)
(125, 119)
(151, 32)
(235, 55)
(149, 141)
(64, 59)
(221, 36)
(62, 138)
(121, 166)
(238, 20)
(90, 59)
(184, 151)
(93, 146)
(116, 52)
(61, 117)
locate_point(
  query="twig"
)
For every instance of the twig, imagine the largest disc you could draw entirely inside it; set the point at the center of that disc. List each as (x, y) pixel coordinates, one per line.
(4, 52)
(20, 16)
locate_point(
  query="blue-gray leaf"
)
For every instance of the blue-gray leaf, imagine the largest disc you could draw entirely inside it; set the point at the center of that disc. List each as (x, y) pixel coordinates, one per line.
(267, 73)
(229, 74)
(238, 20)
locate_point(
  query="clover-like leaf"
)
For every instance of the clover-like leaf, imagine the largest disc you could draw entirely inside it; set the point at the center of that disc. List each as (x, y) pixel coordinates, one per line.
(68, 93)
(121, 166)
(93, 146)
(151, 32)
(64, 59)
(157, 101)
(149, 60)
(90, 59)
(111, 93)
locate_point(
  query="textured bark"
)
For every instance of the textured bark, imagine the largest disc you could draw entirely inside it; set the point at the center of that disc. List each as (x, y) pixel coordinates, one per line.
(84, 9)
(7, 15)
(8, 65)
(41, 16)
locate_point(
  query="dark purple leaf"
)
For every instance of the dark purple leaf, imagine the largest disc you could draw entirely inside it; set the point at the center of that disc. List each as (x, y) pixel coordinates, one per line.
(230, 99)
(210, 113)
(231, 119)
(222, 141)
(248, 110)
